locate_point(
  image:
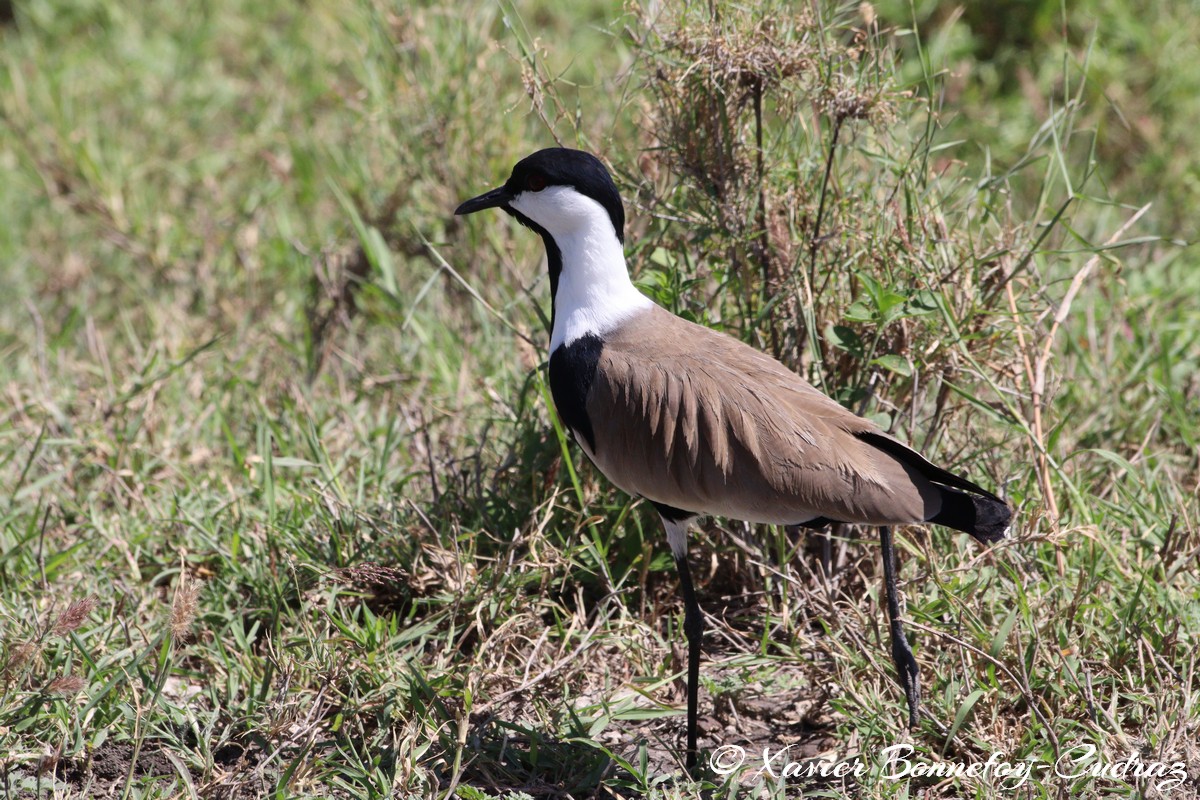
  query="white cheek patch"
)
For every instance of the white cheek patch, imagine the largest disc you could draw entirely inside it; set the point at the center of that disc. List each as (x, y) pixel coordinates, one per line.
(594, 294)
(559, 209)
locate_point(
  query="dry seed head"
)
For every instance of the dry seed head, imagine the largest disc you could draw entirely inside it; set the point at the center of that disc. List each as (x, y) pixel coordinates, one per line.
(65, 685)
(73, 616)
(648, 166)
(185, 604)
(779, 234)
(18, 655)
(48, 763)
(370, 573)
(736, 59)
(842, 103)
(527, 355)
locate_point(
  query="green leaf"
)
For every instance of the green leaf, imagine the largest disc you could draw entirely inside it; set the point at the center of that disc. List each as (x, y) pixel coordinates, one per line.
(289, 461)
(845, 338)
(894, 363)
(923, 302)
(964, 711)
(1001, 636)
(859, 312)
(664, 258)
(371, 240)
(891, 305)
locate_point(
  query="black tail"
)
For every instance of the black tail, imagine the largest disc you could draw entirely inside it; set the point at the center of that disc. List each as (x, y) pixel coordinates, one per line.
(973, 510)
(985, 518)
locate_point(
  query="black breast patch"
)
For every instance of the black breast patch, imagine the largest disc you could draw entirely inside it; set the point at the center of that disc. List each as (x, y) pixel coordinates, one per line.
(572, 369)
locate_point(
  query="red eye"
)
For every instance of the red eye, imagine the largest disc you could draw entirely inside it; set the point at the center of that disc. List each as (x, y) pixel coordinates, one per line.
(536, 182)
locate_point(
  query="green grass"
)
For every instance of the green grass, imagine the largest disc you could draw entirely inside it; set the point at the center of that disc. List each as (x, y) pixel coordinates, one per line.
(285, 510)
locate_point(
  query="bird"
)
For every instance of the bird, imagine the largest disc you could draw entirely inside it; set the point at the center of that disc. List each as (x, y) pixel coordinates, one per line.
(699, 423)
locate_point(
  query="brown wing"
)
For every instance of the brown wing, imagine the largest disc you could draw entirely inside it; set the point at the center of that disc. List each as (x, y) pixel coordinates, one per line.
(689, 417)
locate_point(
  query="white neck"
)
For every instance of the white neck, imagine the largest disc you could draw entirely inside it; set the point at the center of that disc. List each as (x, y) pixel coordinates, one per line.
(594, 294)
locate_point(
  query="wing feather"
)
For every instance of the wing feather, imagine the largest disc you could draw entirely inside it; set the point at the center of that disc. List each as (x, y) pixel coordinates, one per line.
(689, 417)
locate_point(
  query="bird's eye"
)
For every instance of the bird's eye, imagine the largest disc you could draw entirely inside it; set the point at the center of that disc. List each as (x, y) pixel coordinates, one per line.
(536, 182)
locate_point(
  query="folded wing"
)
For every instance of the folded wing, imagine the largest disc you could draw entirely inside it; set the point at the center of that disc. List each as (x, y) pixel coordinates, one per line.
(699, 421)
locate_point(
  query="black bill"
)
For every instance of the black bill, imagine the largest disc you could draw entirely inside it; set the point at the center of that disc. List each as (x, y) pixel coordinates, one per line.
(493, 199)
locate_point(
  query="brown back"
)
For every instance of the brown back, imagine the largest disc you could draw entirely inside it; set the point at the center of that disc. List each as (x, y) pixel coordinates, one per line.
(693, 418)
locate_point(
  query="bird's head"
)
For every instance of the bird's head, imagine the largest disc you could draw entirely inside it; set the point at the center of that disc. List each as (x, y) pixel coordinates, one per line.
(557, 191)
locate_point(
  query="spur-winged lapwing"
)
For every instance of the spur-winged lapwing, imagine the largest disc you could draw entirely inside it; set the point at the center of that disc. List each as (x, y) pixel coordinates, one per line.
(697, 422)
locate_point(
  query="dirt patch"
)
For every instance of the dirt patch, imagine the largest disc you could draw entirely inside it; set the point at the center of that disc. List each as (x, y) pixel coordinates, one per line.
(105, 769)
(103, 772)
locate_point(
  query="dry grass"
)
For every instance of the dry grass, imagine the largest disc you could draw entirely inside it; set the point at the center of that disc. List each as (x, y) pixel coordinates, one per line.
(283, 506)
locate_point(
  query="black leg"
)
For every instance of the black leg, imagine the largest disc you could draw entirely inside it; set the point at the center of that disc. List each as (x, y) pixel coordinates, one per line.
(906, 665)
(693, 627)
